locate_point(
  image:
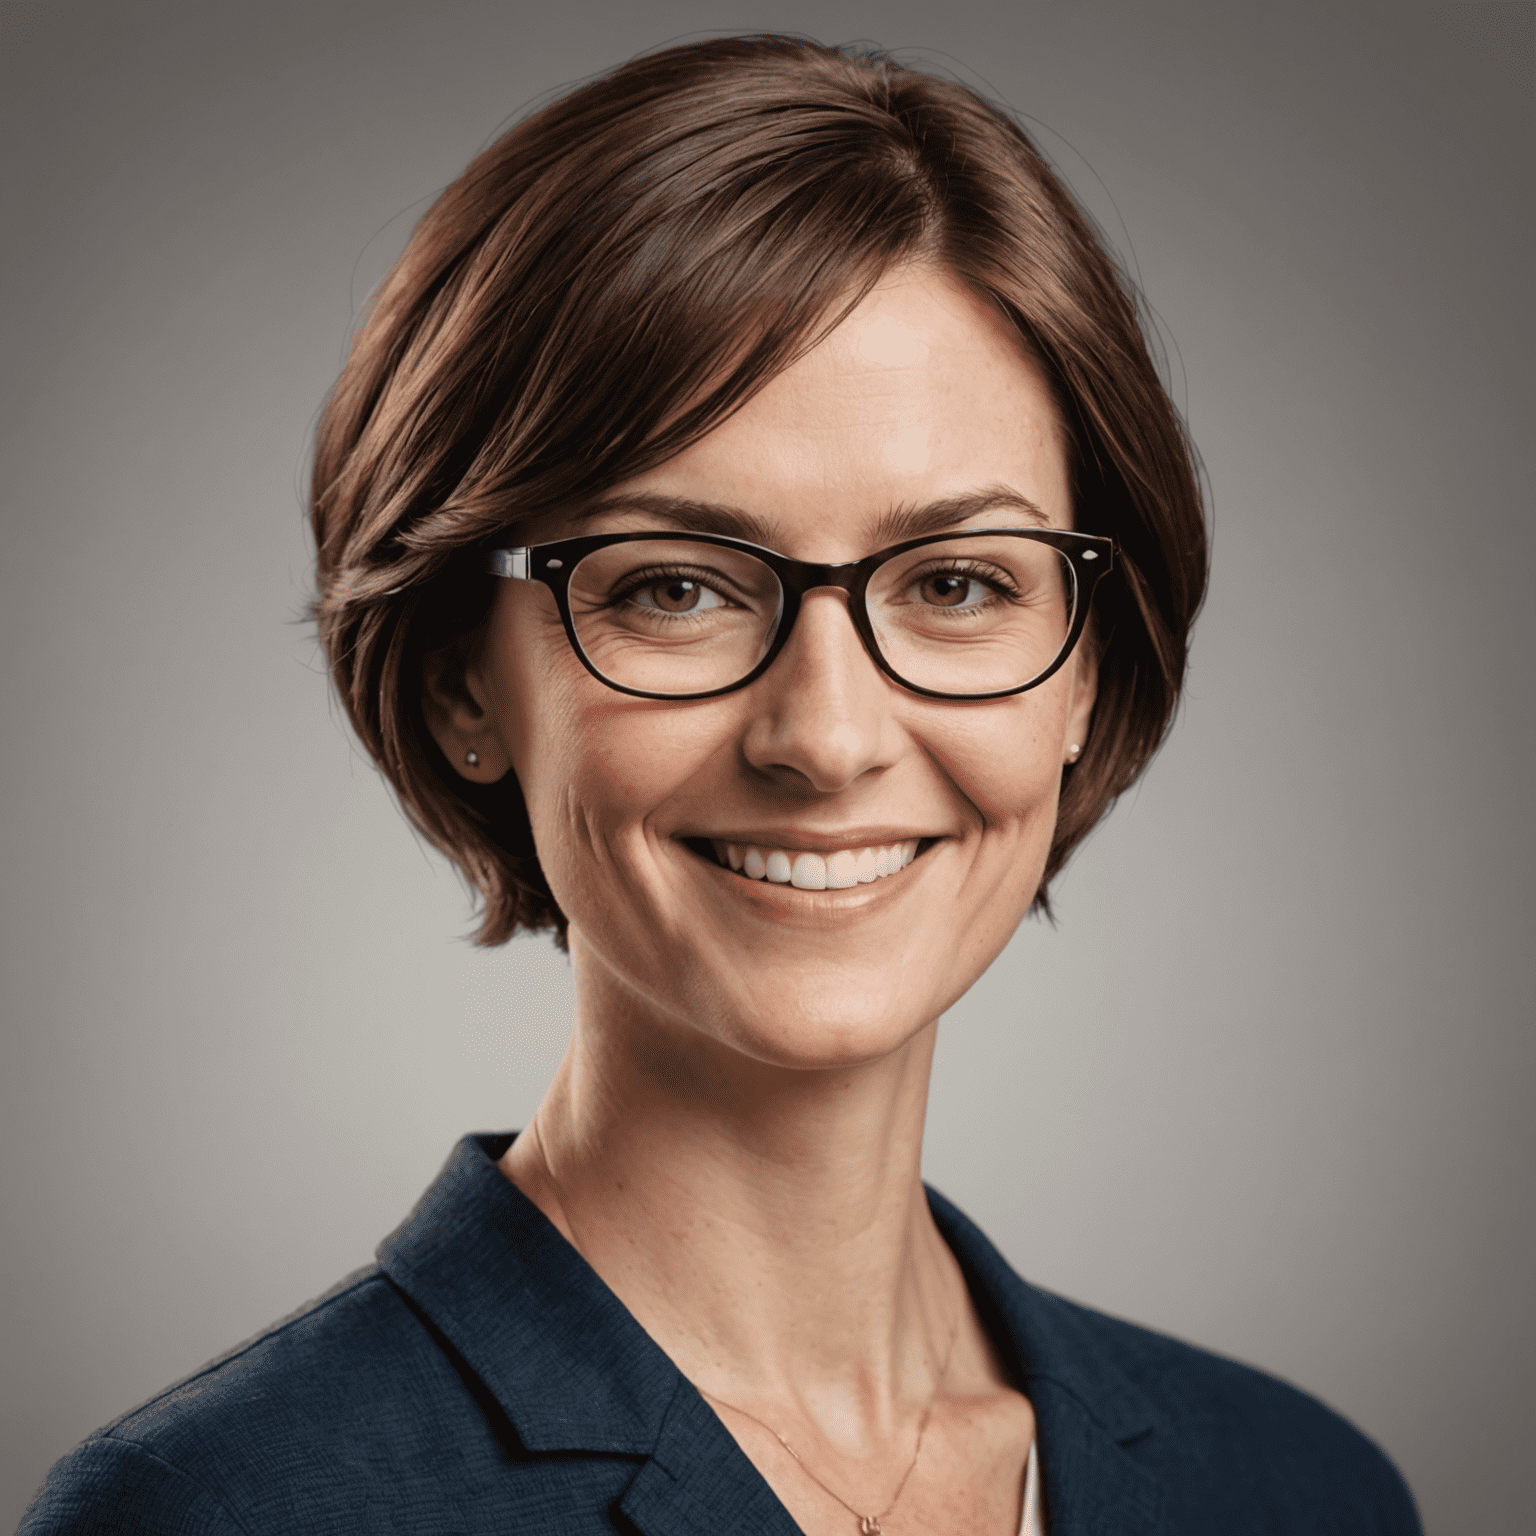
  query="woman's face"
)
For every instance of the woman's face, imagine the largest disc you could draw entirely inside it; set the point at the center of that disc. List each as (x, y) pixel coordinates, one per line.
(921, 395)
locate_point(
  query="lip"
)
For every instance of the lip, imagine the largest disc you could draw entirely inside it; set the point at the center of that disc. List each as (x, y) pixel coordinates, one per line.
(800, 840)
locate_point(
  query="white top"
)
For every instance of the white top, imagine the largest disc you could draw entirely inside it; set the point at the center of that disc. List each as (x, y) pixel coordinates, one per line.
(1032, 1524)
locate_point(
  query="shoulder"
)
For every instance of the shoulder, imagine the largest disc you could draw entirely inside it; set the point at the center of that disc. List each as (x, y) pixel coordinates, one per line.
(259, 1438)
(1230, 1443)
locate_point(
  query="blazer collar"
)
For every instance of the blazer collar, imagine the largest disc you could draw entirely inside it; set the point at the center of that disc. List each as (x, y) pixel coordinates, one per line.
(574, 1371)
(562, 1355)
(570, 1366)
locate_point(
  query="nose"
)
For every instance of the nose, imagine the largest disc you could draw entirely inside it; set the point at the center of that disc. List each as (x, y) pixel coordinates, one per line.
(822, 712)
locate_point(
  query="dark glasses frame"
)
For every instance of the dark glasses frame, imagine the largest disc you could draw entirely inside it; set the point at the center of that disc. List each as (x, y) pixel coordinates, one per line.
(1088, 555)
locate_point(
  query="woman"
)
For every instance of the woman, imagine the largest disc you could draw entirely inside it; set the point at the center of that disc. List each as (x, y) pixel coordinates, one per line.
(755, 545)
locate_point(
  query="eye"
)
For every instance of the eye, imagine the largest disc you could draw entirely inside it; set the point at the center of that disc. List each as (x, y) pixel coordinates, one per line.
(950, 589)
(676, 594)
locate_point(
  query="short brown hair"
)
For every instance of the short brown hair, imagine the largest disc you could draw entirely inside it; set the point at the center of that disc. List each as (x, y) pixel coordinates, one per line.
(618, 272)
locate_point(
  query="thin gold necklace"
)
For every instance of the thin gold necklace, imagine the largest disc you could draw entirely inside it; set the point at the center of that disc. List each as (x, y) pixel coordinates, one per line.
(869, 1525)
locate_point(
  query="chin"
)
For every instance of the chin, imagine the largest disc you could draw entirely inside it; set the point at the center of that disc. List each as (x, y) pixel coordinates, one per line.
(804, 994)
(825, 1022)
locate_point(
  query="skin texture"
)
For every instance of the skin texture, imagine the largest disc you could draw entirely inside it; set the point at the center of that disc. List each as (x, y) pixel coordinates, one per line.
(733, 1140)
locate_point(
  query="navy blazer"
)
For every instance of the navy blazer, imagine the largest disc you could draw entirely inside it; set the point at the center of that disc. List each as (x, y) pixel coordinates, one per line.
(481, 1378)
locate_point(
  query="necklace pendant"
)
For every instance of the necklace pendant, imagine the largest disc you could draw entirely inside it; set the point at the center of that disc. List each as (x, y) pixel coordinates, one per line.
(869, 1525)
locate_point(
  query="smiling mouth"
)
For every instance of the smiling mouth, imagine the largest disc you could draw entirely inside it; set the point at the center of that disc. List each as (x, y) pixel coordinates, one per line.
(837, 870)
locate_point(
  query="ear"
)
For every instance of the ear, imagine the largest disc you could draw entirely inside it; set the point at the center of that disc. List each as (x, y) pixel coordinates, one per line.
(1085, 689)
(456, 706)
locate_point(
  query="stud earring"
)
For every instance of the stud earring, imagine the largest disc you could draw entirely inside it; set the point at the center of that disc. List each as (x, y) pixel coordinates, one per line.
(1072, 752)
(472, 758)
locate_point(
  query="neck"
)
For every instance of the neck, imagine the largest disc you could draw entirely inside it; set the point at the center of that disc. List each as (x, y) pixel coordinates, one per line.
(766, 1225)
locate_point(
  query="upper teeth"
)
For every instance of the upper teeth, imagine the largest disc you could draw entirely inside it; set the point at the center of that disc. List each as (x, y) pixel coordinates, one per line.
(817, 871)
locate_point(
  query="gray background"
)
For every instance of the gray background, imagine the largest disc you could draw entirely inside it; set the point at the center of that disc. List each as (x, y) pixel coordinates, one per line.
(1266, 1086)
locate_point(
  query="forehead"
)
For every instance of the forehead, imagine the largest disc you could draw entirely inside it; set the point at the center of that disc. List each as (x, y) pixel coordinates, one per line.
(922, 395)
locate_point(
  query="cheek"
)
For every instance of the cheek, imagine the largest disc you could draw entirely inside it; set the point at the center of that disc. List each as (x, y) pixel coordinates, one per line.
(594, 766)
(1005, 759)
(1008, 768)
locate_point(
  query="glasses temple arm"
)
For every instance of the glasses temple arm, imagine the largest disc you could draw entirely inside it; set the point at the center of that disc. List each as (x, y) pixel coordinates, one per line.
(508, 562)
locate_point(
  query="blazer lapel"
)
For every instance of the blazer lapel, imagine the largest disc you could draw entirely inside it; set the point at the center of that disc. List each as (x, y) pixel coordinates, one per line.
(1088, 1411)
(699, 1482)
(1092, 1486)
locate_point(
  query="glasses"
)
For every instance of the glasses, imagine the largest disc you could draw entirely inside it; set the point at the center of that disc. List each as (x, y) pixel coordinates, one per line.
(981, 614)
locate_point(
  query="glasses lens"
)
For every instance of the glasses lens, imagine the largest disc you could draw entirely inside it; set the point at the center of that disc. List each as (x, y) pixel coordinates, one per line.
(983, 614)
(672, 616)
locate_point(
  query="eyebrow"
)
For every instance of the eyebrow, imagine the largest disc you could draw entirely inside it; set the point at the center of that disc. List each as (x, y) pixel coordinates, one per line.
(893, 526)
